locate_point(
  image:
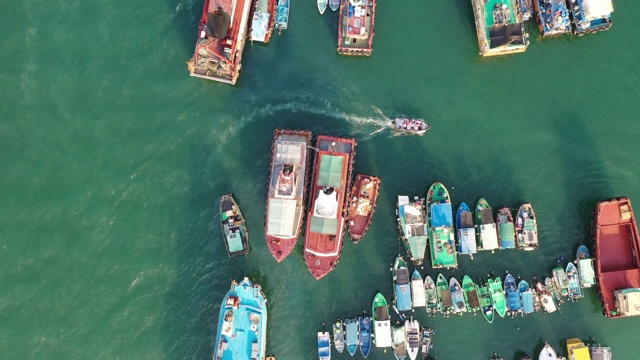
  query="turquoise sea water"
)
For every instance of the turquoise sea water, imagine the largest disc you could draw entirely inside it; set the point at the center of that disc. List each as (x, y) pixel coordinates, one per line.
(113, 160)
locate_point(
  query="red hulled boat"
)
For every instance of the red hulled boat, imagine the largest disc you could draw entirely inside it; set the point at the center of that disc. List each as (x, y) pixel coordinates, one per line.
(323, 239)
(617, 253)
(286, 190)
(362, 205)
(221, 38)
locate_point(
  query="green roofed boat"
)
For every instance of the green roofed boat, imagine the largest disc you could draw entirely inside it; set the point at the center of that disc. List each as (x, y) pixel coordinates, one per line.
(234, 229)
(470, 295)
(443, 247)
(412, 226)
(506, 229)
(381, 322)
(497, 296)
(500, 27)
(485, 300)
(488, 234)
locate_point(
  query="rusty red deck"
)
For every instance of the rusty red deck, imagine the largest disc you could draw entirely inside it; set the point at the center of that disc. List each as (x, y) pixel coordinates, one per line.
(617, 250)
(362, 205)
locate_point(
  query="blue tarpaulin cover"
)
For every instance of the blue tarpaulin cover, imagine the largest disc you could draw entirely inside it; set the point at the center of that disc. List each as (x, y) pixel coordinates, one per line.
(514, 300)
(441, 215)
(527, 302)
(403, 294)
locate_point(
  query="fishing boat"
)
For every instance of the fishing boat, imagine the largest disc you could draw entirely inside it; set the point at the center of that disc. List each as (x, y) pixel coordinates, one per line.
(527, 10)
(590, 16)
(548, 353)
(242, 326)
(431, 295)
(599, 352)
(553, 290)
(495, 356)
(506, 229)
(526, 295)
(356, 27)
(488, 235)
(585, 267)
(484, 293)
(471, 297)
(401, 285)
(561, 280)
(381, 322)
(282, 15)
(410, 126)
(264, 16)
(234, 229)
(575, 291)
(552, 17)
(221, 37)
(466, 230)
(497, 296)
(353, 333)
(323, 239)
(457, 296)
(334, 5)
(514, 303)
(362, 205)
(338, 336)
(365, 334)
(322, 6)
(412, 336)
(526, 228)
(412, 227)
(537, 303)
(444, 295)
(286, 191)
(617, 245)
(577, 350)
(399, 342)
(324, 345)
(418, 297)
(443, 244)
(500, 27)
(425, 343)
(546, 299)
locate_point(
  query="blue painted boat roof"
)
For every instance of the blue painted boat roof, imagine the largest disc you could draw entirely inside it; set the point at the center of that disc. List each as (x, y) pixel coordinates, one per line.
(467, 241)
(403, 297)
(242, 327)
(441, 215)
(527, 302)
(352, 332)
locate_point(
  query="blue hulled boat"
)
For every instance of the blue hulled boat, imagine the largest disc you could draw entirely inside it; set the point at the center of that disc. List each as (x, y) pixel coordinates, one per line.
(553, 17)
(457, 296)
(282, 15)
(526, 295)
(353, 332)
(401, 285)
(466, 230)
(242, 327)
(575, 291)
(591, 15)
(514, 304)
(324, 346)
(365, 334)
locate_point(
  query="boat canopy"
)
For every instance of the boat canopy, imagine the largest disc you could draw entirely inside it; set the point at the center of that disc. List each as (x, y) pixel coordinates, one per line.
(467, 238)
(324, 349)
(527, 302)
(382, 327)
(587, 274)
(290, 153)
(505, 35)
(330, 171)
(234, 239)
(282, 217)
(417, 291)
(441, 215)
(628, 301)
(403, 297)
(513, 297)
(596, 9)
(489, 236)
(507, 235)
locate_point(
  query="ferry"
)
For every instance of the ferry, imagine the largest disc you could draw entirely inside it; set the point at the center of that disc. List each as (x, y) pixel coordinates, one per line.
(221, 38)
(617, 257)
(234, 228)
(590, 16)
(262, 23)
(500, 27)
(443, 246)
(552, 17)
(362, 205)
(326, 216)
(356, 27)
(242, 326)
(286, 190)
(412, 226)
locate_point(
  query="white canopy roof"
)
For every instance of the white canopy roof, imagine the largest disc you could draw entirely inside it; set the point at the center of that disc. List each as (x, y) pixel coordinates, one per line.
(383, 333)
(596, 9)
(282, 217)
(489, 236)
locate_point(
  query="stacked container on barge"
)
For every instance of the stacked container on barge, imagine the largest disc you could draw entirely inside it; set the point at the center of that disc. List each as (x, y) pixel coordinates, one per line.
(499, 26)
(590, 16)
(262, 23)
(221, 38)
(617, 257)
(286, 191)
(552, 17)
(323, 239)
(356, 27)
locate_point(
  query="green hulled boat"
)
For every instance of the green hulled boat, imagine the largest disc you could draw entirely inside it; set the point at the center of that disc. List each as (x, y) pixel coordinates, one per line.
(412, 225)
(443, 245)
(497, 296)
(485, 300)
(431, 294)
(470, 295)
(487, 233)
(444, 295)
(381, 322)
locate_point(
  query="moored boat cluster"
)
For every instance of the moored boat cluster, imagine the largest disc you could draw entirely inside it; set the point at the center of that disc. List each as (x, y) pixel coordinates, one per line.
(576, 350)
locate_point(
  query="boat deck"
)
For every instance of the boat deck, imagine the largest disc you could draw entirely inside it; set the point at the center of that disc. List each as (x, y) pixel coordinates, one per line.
(501, 32)
(362, 205)
(356, 28)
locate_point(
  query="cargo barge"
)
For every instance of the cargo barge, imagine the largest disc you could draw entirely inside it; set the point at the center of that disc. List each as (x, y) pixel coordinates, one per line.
(499, 27)
(552, 17)
(324, 235)
(221, 38)
(263, 20)
(286, 190)
(617, 246)
(590, 16)
(356, 27)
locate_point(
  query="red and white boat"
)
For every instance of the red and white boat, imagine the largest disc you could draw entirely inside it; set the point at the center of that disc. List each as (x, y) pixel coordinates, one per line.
(412, 126)
(221, 38)
(324, 237)
(617, 257)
